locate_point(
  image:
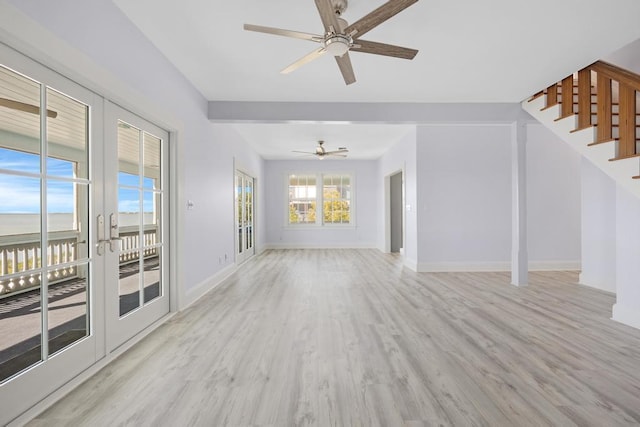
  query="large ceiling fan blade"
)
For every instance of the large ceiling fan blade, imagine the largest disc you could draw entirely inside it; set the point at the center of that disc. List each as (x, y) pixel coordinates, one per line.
(304, 60)
(328, 16)
(344, 62)
(303, 152)
(383, 49)
(27, 108)
(285, 33)
(344, 150)
(377, 17)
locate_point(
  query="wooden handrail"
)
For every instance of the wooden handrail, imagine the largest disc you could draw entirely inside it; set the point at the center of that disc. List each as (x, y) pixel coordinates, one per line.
(627, 88)
(614, 72)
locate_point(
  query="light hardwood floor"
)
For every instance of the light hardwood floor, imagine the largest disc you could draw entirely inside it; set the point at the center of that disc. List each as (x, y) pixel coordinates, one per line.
(350, 338)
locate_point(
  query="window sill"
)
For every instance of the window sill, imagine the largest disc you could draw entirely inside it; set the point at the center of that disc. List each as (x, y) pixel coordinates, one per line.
(320, 227)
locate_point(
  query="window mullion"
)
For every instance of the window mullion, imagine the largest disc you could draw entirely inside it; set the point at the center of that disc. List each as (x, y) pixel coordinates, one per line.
(320, 199)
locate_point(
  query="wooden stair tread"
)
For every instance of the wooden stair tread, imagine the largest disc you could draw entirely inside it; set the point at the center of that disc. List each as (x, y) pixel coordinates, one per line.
(631, 156)
(606, 141)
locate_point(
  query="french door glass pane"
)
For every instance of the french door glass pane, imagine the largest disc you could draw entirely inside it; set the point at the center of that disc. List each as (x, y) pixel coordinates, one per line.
(20, 224)
(152, 276)
(248, 209)
(140, 222)
(20, 260)
(239, 211)
(151, 250)
(152, 161)
(68, 308)
(67, 136)
(129, 254)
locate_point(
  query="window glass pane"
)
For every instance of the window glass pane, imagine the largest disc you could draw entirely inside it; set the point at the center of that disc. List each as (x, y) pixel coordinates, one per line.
(336, 195)
(151, 276)
(67, 136)
(239, 213)
(302, 199)
(19, 122)
(20, 260)
(129, 281)
(128, 154)
(129, 221)
(152, 157)
(20, 340)
(68, 320)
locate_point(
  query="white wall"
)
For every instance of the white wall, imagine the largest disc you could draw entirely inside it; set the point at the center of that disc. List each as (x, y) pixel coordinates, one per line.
(598, 228)
(99, 37)
(627, 307)
(402, 156)
(363, 234)
(464, 197)
(553, 201)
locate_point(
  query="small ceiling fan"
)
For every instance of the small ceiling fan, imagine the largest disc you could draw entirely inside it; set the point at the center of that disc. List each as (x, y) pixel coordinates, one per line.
(321, 152)
(339, 38)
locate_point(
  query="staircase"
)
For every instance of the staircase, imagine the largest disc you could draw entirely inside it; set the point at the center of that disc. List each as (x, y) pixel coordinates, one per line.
(596, 112)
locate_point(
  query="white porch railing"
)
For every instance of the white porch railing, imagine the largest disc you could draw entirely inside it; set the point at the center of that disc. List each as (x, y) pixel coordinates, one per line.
(21, 256)
(21, 259)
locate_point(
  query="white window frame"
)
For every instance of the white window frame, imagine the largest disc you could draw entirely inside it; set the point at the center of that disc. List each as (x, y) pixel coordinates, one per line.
(320, 200)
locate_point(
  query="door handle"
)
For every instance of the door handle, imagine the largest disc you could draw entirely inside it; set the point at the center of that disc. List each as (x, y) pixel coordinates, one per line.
(100, 234)
(114, 232)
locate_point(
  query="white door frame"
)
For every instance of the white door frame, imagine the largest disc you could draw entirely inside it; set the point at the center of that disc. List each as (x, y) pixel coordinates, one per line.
(245, 254)
(122, 328)
(387, 211)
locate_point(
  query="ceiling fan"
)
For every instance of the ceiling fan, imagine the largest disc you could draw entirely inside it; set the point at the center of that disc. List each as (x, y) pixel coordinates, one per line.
(339, 38)
(321, 152)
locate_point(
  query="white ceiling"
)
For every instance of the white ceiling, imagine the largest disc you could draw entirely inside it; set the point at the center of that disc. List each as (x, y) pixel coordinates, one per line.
(364, 141)
(470, 51)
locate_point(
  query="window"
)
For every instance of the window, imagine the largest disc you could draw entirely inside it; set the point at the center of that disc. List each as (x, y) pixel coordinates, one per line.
(320, 199)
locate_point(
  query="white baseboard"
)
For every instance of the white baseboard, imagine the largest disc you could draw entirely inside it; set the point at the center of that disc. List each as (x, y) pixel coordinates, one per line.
(411, 264)
(321, 246)
(443, 267)
(555, 265)
(195, 293)
(451, 267)
(606, 286)
(627, 315)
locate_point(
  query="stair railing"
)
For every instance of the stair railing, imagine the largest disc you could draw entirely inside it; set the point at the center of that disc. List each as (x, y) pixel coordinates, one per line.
(613, 93)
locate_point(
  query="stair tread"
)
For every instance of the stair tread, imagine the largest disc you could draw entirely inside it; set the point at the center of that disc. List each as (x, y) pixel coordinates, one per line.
(630, 156)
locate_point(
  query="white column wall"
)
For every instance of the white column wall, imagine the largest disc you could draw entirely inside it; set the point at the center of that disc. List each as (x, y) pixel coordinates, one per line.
(553, 201)
(598, 228)
(627, 307)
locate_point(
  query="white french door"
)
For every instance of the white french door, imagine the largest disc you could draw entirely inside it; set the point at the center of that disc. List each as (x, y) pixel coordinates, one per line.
(135, 239)
(51, 278)
(245, 214)
(83, 230)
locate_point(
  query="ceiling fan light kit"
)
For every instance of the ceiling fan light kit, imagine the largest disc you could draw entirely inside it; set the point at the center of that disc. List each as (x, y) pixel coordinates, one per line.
(339, 37)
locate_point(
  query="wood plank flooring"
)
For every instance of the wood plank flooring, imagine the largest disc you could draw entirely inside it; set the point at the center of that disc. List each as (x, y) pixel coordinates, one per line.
(350, 338)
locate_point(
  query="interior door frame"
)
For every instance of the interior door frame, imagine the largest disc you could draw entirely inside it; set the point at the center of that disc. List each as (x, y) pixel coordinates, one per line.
(387, 210)
(120, 329)
(243, 256)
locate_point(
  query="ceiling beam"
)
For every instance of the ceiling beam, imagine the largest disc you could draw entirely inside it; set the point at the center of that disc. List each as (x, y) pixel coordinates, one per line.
(349, 112)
